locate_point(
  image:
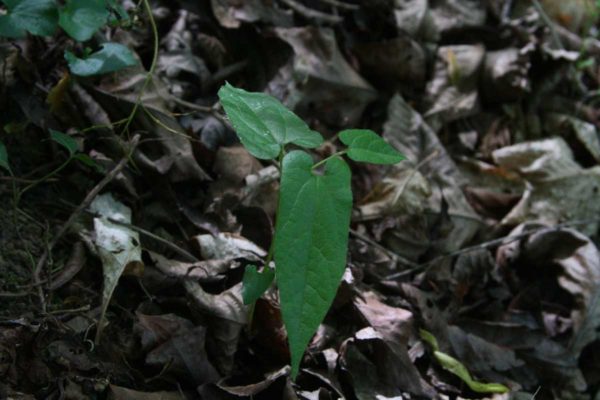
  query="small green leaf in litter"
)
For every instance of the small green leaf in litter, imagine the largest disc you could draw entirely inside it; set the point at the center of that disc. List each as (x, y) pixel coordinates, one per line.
(89, 161)
(455, 367)
(256, 283)
(311, 239)
(112, 57)
(365, 145)
(64, 140)
(82, 18)
(4, 157)
(263, 124)
(38, 17)
(118, 12)
(428, 338)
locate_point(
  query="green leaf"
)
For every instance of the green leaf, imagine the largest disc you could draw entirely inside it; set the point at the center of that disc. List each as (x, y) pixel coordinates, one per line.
(311, 239)
(112, 57)
(256, 283)
(4, 157)
(428, 338)
(120, 14)
(455, 367)
(38, 17)
(263, 124)
(82, 18)
(365, 145)
(89, 161)
(64, 140)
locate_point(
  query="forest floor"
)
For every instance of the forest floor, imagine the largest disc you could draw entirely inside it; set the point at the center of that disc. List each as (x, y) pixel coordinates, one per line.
(486, 236)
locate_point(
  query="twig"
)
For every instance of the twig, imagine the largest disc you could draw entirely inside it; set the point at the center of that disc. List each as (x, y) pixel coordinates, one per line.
(223, 73)
(339, 4)
(391, 253)
(492, 243)
(14, 294)
(309, 13)
(209, 110)
(84, 204)
(548, 22)
(506, 10)
(192, 106)
(575, 42)
(421, 163)
(71, 310)
(188, 256)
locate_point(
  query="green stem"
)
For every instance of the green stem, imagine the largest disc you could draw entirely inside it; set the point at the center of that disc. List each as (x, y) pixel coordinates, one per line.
(150, 73)
(339, 153)
(37, 182)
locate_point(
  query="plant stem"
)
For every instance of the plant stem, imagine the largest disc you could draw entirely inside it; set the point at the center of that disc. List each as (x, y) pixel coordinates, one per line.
(150, 73)
(38, 181)
(339, 153)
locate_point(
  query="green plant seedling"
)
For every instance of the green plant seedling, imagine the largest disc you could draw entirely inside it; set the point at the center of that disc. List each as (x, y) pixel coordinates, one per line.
(4, 158)
(256, 283)
(313, 215)
(455, 367)
(80, 19)
(69, 144)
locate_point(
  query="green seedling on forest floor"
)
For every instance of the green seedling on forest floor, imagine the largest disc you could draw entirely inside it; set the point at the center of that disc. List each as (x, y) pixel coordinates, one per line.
(313, 216)
(80, 19)
(455, 367)
(66, 142)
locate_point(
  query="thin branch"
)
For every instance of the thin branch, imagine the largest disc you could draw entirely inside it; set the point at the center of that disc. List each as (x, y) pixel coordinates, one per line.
(183, 253)
(421, 163)
(548, 22)
(309, 13)
(492, 243)
(339, 4)
(395, 256)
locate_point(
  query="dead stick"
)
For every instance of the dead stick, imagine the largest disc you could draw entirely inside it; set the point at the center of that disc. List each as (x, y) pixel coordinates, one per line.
(84, 204)
(309, 13)
(492, 243)
(391, 253)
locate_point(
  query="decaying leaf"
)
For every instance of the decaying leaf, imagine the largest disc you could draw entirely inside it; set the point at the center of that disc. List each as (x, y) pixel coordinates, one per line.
(122, 393)
(231, 14)
(452, 93)
(118, 246)
(375, 369)
(203, 271)
(559, 189)
(230, 316)
(324, 82)
(579, 260)
(227, 246)
(406, 130)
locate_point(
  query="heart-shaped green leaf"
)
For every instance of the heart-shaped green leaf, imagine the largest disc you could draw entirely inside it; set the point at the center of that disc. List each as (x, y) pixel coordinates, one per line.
(64, 140)
(310, 244)
(112, 57)
(263, 124)
(256, 283)
(82, 18)
(4, 157)
(365, 145)
(38, 17)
